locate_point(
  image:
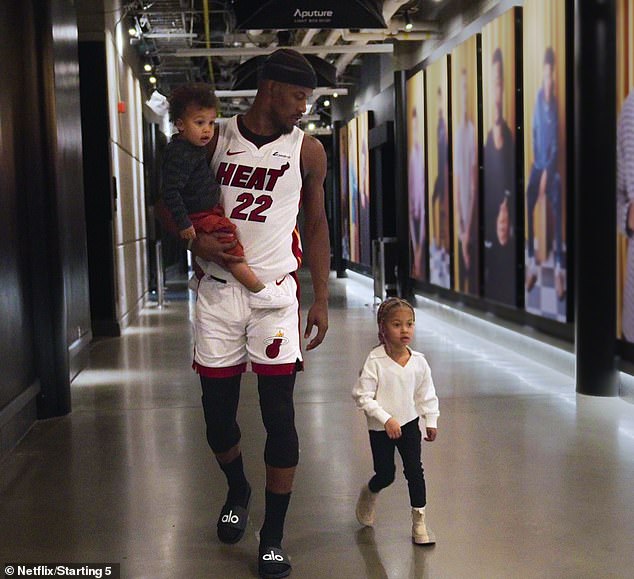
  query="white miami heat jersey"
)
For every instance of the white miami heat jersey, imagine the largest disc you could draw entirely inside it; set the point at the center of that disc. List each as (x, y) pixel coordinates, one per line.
(261, 194)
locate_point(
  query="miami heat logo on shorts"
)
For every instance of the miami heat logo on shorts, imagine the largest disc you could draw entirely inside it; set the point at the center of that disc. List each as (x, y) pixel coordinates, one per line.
(274, 343)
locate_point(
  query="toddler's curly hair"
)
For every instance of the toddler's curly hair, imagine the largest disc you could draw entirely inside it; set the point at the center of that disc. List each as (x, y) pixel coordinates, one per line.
(196, 93)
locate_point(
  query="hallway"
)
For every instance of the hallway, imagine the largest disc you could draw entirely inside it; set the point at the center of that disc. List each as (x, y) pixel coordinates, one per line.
(526, 479)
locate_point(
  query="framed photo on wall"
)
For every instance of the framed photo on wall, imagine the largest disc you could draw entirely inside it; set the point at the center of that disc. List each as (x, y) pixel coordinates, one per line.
(416, 176)
(437, 126)
(625, 169)
(500, 196)
(465, 166)
(545, 162)
(365, 243)
(344, 202)
(353, 191)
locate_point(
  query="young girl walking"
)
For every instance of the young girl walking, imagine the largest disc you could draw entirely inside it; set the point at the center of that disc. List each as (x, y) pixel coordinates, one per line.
(395, 388)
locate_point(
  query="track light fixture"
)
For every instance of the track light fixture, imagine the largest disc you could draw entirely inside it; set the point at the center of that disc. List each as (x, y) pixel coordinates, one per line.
(408, 22)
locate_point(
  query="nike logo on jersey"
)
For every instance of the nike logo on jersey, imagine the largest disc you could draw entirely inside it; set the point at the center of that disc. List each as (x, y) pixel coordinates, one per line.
(245, 177)
(230, 153)
(284, 155)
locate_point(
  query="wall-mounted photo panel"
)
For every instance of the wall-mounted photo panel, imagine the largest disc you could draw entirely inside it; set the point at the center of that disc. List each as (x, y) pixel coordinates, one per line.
(545, 171)
(465, 163)
(625, 169)
(438, 173)
(416, 175)
(499, 159)
(344, 202)
(353, 191)
(365, 243)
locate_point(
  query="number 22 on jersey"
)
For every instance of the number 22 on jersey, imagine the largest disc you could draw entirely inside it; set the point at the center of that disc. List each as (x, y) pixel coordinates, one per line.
(251, 208)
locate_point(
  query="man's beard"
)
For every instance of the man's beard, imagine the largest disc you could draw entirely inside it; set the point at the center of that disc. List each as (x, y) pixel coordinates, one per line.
(281, 127)
(286, 129)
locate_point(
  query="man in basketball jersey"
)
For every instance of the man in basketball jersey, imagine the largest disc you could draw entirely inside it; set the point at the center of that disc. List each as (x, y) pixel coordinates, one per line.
(267, 167)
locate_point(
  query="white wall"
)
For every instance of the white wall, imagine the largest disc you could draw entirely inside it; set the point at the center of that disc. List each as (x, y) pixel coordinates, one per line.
(126, 148)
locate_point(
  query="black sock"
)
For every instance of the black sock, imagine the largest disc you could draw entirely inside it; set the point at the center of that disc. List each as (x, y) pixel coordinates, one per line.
(272, 530)
(238, 486)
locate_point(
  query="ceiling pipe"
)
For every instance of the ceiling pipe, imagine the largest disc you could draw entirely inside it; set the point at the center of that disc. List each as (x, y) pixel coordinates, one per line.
(308, 37)
(255, 51)
(169, 35)
(331, 39)
(398, 24)
(390, 8)
(207, 21)
(379, 36)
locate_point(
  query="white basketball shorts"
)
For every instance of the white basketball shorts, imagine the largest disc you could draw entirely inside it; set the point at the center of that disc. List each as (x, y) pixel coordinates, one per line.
(228, 333)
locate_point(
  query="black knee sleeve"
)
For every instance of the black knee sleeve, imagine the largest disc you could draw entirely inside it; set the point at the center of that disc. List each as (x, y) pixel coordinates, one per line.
(278, 415)
(220, 405)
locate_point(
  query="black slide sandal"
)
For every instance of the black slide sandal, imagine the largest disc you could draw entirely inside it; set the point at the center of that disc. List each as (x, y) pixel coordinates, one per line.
(232, 521)
(273, 563)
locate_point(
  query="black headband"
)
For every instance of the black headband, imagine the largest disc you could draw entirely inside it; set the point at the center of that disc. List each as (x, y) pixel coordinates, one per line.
(289, 66)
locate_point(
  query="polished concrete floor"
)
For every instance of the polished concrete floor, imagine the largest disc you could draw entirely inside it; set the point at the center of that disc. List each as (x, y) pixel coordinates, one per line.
(526, 479)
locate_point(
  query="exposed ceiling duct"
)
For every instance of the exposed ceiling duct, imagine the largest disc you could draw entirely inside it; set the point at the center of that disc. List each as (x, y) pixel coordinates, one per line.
(389, 9)
(208, 40)
(255, 51)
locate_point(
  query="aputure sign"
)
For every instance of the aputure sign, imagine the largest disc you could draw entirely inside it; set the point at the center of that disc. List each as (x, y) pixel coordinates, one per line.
(313, 17)
(294, 14)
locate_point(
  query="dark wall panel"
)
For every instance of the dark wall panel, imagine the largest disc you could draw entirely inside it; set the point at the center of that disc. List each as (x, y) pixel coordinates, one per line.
(61, 298)
(44, 311)
(16, 351)
(68, 168)
(98, 186)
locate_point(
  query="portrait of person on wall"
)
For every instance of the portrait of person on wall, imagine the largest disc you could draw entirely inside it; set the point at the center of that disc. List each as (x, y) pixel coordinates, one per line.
(625, 207)
(544, 82)
(416, 176)
(465, 167)
(625, 171)
(439, 193)
(365, 244)
(544, 179)
(438, 174)
(353, 191)
(499, 210)
(343, 192)
(499, 190)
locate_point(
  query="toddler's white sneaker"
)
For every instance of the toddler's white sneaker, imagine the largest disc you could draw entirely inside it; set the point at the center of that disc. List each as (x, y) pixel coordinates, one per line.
(271, 297)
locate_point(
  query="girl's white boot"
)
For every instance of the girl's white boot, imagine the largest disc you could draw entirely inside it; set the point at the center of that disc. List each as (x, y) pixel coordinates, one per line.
(366, 506)
(421, 534)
